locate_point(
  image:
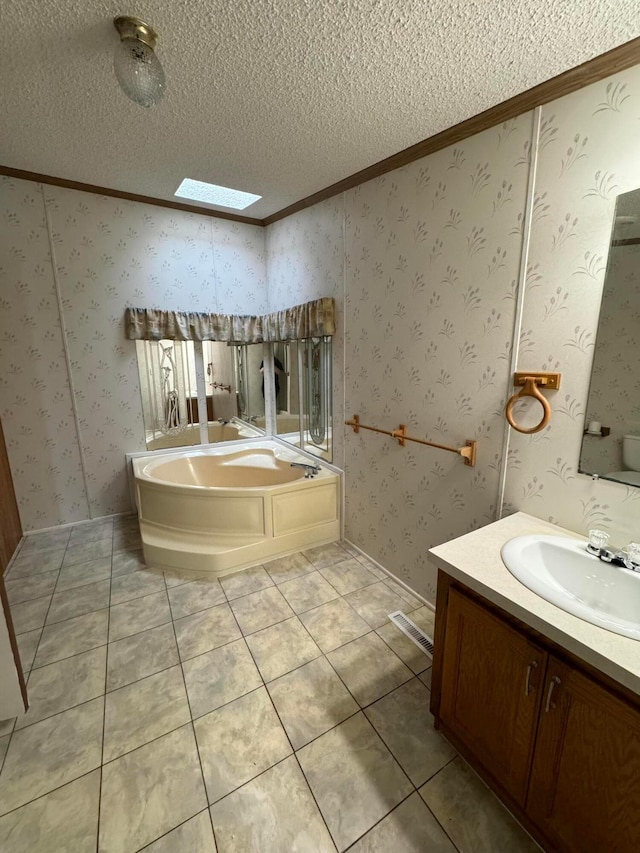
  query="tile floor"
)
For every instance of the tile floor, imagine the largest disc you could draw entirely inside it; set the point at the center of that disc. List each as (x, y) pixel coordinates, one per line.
(277, 710)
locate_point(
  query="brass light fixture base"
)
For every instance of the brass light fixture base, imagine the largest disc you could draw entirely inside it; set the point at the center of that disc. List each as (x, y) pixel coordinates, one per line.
(129, 27)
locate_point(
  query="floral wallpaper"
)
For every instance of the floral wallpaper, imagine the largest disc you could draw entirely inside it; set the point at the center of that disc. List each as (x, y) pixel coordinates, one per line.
(588, 154)
(108, 254)
(432, 257)
(35, 399)
(239, 256)
(614, 393)
(305, 260)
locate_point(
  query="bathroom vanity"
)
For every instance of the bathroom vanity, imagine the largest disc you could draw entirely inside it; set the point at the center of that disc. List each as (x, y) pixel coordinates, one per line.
(543, 705)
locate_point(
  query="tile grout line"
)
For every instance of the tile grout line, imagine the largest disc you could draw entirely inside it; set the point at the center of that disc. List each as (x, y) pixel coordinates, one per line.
(431, 812)
(286, 734)
(46, 793)
(128, 636)
(13, 730)
(306, 781)
(378, 822)
(260, 687)
(147, 594)
(104, 701)
(193, 728)
(417, 674)
(313, 796)
(169, 831)
(243, 636)
(360, 710)
(275, 764)
(35, 597)
(97, 609)
(324, 654)
(215, 648)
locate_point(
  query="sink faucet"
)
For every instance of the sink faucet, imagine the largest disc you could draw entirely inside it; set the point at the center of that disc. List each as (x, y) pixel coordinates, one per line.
(309, 470)
(629, 559)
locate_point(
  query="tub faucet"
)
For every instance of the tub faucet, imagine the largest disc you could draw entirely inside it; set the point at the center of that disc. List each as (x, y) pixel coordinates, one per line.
(309, 470)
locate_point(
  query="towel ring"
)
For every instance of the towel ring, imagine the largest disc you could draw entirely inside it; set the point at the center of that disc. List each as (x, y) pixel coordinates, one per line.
(530, 390)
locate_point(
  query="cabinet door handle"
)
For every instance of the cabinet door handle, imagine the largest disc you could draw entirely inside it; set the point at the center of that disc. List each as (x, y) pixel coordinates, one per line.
(549, 704)
(528, 687)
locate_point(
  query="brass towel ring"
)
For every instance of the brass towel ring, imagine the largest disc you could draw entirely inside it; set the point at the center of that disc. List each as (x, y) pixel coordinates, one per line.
(530, 390)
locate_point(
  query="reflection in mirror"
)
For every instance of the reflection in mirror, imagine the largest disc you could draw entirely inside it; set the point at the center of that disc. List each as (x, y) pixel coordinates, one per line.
(248, 379)
(168, 386)
(303, 394)
(168, 373)
(611, 443)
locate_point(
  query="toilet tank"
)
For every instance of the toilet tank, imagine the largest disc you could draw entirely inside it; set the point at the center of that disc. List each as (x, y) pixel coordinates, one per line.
(631, 452)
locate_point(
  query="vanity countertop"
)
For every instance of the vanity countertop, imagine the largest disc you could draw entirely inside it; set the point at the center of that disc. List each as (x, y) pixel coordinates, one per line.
(474, 560)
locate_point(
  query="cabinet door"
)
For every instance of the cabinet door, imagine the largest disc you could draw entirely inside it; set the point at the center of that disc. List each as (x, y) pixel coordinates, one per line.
(491, 678)
(585, 784)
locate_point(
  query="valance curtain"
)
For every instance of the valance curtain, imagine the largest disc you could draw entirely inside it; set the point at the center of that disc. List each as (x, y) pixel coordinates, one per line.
(310, 320)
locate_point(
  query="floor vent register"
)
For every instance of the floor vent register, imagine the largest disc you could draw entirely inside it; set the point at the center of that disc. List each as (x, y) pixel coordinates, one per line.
(422, 640)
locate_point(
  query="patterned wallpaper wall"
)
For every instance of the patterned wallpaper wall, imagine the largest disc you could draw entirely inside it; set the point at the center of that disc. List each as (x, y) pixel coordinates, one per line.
(305, 260)
(108, 253)
(614, 394)
(430, 266)
(433, 253)
(35, 400)
(431, 269)
(588, 155)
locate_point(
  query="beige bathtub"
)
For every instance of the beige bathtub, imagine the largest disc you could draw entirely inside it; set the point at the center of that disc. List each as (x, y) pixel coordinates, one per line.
(219, 510)
(217, 432)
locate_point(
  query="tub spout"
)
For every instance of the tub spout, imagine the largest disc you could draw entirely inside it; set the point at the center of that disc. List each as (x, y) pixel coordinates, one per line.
(309, 470)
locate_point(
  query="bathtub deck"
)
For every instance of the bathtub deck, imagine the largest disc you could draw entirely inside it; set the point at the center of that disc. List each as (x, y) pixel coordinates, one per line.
(275, 709)
(222, 510)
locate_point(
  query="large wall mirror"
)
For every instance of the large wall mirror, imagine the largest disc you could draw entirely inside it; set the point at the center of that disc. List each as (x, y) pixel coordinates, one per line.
(250, 384)
(611, 443)
(199, 386)
(303, 394)
(169, 374)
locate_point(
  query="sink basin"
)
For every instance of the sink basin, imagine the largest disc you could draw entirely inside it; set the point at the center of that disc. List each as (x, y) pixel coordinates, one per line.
(561, 570)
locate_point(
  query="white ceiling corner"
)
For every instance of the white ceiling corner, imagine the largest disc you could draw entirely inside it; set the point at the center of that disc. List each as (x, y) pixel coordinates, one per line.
(276, 97)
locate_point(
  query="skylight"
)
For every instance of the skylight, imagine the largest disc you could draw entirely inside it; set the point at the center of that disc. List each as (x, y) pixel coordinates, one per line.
(213, 194)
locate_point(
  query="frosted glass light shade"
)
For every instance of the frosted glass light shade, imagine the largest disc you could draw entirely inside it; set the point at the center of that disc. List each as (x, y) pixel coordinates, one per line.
(139, 72)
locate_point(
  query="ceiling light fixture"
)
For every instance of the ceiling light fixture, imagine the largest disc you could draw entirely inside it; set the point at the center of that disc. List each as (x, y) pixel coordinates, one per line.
(213, 194)
(137, 68)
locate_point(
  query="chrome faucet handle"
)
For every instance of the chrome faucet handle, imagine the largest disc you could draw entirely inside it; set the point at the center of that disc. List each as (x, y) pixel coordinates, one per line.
(597, 542)
(632, 557)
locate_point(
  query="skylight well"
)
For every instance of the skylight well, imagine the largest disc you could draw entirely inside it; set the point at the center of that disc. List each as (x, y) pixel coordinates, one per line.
(213, 194)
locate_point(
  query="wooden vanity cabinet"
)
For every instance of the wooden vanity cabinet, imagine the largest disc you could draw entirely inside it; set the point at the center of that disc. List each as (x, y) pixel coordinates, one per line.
(584, 791)
(559, 744)
(491, 687)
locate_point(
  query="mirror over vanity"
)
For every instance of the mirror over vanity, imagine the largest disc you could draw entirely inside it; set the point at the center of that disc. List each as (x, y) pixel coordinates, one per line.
(611, 442)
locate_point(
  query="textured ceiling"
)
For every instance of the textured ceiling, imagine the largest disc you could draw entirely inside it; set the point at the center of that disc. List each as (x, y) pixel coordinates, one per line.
(275, 97)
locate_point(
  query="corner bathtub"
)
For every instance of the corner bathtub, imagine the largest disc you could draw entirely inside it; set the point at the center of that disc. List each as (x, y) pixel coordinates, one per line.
(219, 510)
(218, 431)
